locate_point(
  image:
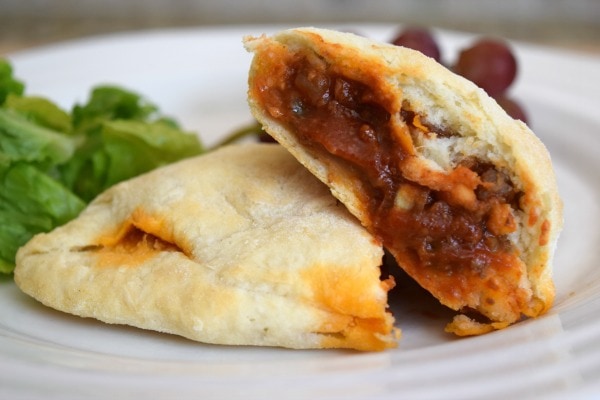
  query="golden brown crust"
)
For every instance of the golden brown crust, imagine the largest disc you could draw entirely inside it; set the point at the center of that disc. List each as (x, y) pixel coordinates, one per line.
(241, 246)
(481, 129)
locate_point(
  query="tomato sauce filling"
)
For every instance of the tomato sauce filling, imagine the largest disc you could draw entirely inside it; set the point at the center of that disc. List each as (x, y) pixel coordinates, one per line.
(448, 230)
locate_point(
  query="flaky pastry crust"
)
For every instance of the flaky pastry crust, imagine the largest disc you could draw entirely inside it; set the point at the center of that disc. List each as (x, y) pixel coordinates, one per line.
(449, 132)
(241, 246)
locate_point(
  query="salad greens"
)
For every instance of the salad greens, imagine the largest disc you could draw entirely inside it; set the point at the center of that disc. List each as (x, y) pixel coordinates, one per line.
(53, 162)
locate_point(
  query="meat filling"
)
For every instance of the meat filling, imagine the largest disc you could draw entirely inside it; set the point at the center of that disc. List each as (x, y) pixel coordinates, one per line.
(448, 228)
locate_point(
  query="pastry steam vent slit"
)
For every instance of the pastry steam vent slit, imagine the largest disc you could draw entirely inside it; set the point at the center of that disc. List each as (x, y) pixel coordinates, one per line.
(140, 238)
(134, 238)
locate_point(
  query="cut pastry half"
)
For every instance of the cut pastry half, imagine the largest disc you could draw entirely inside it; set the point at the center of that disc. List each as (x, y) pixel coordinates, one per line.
(462, 195)
(242, 246)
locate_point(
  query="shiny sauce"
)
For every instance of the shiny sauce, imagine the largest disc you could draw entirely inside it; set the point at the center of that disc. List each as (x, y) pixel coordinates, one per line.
(448, 230)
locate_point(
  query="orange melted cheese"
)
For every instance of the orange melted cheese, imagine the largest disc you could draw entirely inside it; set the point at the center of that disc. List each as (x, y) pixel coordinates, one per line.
(138, 239)
(357, 315)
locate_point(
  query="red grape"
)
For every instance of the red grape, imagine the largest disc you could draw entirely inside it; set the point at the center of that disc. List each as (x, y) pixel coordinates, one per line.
(512, 108)
(490, 64)
(419, 39)
(264, 137)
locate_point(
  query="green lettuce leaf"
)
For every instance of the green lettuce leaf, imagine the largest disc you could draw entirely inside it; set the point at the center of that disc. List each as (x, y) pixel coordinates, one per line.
(21, 139)
(41, 111)
(8, 83)
(109, 103)
(123, 149)
(30, 202)
(124, 136)
(53, 162)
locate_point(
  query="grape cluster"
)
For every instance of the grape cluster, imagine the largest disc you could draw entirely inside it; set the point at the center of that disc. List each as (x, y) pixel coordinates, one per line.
(489, 63)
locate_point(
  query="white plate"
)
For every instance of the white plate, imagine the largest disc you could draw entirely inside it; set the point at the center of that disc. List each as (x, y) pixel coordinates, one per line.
(199, 76)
